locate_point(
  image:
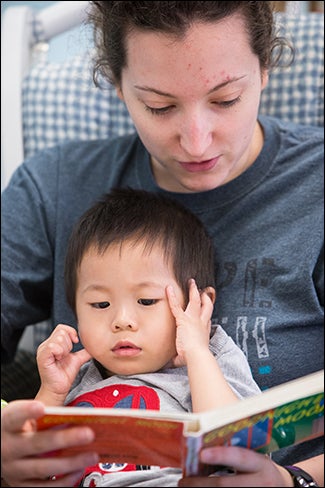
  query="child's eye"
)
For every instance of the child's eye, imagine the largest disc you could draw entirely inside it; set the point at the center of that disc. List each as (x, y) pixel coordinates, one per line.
(147, 301)
(100, 304)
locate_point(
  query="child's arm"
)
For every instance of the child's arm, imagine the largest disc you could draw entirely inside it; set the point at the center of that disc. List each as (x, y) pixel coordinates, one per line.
(209, 389)
(57, 365)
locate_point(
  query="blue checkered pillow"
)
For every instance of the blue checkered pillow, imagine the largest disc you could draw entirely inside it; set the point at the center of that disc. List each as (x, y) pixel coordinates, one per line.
(60, 101)
(297, 93)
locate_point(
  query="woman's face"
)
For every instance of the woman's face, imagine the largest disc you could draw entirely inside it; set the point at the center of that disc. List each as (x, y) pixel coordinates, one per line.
(194, 102)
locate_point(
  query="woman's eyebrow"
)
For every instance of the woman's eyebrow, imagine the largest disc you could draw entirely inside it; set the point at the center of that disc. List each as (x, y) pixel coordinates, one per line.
(166, 94)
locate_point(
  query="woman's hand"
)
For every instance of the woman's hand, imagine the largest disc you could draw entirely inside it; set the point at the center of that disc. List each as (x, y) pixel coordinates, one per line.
(23, 449)
(250, 469)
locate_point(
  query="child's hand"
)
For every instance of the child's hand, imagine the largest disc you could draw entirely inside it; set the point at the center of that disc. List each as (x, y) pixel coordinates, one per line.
(57, 365)
(193, 323)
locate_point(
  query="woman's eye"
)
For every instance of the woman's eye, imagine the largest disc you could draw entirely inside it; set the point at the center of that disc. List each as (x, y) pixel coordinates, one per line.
(227, 103)
(147, 301)
(159, 111)
(100, 305)
(165, 110)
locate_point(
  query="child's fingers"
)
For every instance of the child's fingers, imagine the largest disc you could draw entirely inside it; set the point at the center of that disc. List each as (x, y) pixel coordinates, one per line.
(174, 304)
(195, 299)
(83, 356)
(194, 294)
(206, 307)
(200, 304)
(65, 331)
(61, 340)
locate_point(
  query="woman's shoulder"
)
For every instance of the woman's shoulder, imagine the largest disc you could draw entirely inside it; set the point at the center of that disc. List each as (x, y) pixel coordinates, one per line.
(82, 152)
(75, 162)
(290, 129)
(294, 144)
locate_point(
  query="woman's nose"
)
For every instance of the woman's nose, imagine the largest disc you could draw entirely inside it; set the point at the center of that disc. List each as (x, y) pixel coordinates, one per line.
(196, 137)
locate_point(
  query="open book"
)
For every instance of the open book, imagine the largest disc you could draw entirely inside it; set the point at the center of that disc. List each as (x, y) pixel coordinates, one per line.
(278, 417)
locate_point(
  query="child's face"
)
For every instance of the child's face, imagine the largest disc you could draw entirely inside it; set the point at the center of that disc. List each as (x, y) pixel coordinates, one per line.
(123, 313)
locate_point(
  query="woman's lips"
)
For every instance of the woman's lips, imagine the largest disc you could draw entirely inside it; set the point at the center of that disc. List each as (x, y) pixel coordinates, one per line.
(197, 167)
(126, 349)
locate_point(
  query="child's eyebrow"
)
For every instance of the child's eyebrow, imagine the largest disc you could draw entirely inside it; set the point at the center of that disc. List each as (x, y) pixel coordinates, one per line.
(94, 287)
(151, 284)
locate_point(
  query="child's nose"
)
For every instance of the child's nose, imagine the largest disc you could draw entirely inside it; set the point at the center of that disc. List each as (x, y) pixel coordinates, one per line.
(124, 320)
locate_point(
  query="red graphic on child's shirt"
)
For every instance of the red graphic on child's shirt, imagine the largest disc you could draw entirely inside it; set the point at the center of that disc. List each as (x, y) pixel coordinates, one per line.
(119, 396)
(116, 396)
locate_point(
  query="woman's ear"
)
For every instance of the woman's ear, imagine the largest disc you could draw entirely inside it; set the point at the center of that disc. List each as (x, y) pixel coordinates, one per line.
(265, 78)
(119, 92)
(211, 292)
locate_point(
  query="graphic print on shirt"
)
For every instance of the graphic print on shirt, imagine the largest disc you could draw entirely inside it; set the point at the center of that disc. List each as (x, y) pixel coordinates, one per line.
(256, 278)
(115, 396)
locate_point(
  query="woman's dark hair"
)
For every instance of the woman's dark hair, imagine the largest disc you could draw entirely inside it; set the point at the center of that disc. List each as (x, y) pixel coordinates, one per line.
(148, 219)
(114, 21)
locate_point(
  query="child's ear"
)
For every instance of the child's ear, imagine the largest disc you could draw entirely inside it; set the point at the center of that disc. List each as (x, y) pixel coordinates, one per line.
(211, 292)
